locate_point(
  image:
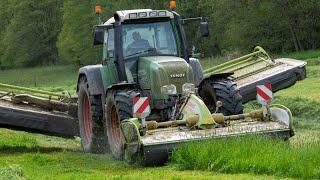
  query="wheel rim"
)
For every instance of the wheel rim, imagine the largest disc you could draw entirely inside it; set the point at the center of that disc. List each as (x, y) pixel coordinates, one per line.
(87, 119)
(114, 127)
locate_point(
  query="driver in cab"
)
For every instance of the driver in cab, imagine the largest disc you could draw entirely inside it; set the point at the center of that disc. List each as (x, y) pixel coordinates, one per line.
(138, 44)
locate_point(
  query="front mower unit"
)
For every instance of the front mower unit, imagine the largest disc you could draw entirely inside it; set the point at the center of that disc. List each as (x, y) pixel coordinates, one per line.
(197, 123)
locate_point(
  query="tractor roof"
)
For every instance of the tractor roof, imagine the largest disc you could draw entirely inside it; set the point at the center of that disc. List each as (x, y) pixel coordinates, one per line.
(140, 14)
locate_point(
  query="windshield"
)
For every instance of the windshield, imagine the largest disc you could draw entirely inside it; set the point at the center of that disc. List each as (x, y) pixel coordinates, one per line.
(157, 37)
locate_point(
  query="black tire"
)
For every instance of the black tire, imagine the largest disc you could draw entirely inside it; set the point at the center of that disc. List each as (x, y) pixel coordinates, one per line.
(225, 91)
(118, 107)
(90, 114)
(124, 103)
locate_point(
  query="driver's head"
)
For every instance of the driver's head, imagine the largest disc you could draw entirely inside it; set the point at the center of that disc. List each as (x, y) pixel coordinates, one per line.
(136, 36)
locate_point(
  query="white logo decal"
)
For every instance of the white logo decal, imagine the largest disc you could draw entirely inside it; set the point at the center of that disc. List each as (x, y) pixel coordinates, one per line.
(178, 75)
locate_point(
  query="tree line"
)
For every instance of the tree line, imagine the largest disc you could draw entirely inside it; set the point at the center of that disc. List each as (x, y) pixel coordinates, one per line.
(41, 32)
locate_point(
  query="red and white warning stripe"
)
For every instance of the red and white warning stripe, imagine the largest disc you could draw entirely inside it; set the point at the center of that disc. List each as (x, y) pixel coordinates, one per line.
(264, 93)
(141, 106)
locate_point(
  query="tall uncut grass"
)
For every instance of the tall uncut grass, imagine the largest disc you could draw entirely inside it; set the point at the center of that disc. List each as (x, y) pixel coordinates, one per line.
(257, 155)
(305, 55)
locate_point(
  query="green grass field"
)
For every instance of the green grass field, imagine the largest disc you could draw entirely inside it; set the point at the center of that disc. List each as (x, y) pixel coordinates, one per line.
(43, 157)
(52, 78)
(259, 155)
(33, 156)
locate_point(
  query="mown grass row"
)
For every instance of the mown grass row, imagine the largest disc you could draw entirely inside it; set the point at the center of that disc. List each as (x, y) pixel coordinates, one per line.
(258, 155)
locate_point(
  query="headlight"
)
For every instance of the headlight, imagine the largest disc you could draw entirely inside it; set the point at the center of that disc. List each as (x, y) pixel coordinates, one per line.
(169, 89)
(188, 87)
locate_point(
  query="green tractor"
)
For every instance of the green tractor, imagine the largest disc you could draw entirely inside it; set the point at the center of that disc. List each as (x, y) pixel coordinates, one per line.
(148, 94)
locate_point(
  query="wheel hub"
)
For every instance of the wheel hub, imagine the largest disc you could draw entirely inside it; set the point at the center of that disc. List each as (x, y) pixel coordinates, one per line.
(114, 127)
(87, 119)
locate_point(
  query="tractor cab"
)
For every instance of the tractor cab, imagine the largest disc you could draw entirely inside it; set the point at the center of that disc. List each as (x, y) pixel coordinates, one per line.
(145, 33)
(148, 47)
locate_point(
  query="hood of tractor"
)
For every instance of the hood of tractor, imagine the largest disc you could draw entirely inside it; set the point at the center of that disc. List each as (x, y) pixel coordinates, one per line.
(158, 71)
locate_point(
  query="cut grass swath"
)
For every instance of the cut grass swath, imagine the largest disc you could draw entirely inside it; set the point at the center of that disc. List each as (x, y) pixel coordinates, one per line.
(258, 155)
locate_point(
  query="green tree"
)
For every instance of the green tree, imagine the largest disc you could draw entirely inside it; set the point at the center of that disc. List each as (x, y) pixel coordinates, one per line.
(5, 17)
(45, 31)
(30, 34)
(75, 42)
(277, 25)
(302, 22)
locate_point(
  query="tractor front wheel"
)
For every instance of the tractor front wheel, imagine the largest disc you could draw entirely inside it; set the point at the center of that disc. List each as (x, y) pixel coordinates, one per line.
(118, 107)
(93, 136)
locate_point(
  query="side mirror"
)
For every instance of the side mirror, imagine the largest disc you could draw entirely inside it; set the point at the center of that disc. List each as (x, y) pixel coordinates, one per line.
(98, 37)
(204, 29)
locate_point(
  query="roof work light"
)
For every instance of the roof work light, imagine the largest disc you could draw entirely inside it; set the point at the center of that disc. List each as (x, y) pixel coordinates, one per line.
(98, 9)
(172, 4)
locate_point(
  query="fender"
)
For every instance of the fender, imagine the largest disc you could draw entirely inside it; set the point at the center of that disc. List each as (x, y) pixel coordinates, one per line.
(197, 71)
(217, 76)
(199, 76)
(94, 79)
(121, 85)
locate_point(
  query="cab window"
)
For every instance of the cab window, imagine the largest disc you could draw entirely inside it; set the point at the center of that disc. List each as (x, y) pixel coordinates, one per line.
(108, 46)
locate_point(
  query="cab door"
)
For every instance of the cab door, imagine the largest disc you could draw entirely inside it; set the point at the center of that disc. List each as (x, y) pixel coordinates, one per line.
(109, 71)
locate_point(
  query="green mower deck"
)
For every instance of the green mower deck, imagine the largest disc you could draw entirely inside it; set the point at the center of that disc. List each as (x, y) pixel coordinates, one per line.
(157, 145)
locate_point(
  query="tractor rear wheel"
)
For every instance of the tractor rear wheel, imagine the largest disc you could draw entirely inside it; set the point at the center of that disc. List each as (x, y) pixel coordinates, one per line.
(92, 133)
(225, 91)
(118, 107)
